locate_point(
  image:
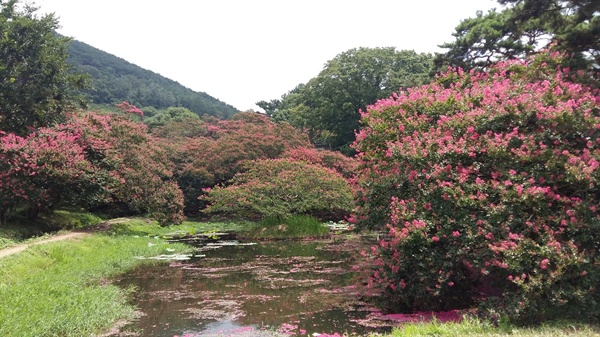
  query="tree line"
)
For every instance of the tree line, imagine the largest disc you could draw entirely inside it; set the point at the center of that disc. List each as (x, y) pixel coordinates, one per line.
(485, 174)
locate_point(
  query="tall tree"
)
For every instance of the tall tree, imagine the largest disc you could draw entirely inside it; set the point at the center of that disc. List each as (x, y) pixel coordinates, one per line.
(328, 105)
(36, 84)
(522, 28)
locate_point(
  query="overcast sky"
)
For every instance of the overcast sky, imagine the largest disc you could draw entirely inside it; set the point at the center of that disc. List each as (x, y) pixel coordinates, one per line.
(244, 51)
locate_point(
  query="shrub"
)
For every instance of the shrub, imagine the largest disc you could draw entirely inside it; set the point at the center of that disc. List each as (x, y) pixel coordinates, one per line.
(489, 185)
(211, 153)
(280, 187)
(344, 165)
(136, 171)
(90, 161)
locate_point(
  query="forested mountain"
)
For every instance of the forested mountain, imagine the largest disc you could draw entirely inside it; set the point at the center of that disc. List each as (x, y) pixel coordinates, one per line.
(114, 80)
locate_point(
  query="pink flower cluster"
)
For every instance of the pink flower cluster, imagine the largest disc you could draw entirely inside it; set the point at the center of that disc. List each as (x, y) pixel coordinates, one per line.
(476, 175)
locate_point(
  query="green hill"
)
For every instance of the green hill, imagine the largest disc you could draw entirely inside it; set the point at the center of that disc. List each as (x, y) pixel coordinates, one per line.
(114, 80)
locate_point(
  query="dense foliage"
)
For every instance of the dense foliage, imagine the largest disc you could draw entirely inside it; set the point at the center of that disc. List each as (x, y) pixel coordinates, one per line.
(524, 27)
(36, 84)
(280, 187)
(170, 115)
(344, 165)
(489, 185)
(211, 152)
(327, 106)
(115, 80)
(91, 161)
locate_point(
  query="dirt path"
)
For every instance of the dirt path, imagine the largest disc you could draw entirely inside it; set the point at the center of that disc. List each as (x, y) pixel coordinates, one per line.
(21, 247)
(60, 237)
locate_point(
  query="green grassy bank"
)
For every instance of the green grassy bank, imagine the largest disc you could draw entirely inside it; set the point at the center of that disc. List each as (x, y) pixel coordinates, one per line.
(477, 328)
(61, 289)
(292, 227)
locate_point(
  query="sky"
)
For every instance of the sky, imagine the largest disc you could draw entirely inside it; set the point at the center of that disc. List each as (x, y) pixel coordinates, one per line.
(245, 51)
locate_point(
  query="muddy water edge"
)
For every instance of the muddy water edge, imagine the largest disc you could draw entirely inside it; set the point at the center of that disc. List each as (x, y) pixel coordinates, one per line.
(233, 288)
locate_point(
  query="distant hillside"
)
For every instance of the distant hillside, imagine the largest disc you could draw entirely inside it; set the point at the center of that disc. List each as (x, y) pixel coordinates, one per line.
(115, 80)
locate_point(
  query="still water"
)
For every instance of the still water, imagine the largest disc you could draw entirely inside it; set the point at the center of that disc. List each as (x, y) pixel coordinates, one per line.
(292, 288)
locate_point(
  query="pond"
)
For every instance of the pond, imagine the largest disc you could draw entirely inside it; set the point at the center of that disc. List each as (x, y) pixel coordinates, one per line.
(292, 288)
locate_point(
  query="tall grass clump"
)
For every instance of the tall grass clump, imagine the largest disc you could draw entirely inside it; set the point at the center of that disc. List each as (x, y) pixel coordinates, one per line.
(72, 220)
(60, 289)
(292, 226)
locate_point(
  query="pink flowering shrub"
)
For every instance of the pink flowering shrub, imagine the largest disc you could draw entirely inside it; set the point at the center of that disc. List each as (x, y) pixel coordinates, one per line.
(46, 168)
(342, 164)
(489, 186)
(280, 187)
(92, 160)
(135, 169)
(129, 108)
(210, 153)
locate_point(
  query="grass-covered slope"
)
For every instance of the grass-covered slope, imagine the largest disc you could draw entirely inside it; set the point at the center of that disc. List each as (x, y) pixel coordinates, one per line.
(115, 80)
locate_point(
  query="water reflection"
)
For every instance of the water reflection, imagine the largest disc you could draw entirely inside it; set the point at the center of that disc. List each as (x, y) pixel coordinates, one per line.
(291, 287)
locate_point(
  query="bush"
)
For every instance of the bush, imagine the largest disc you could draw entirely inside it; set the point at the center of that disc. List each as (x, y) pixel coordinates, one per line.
(344, 165)
(211, 153)
(489, 185)
(280, 187)
(91, 161)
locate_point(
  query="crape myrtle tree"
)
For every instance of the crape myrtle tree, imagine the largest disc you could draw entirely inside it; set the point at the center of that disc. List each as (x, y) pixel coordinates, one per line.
(35, 169)
(327, 106)
(489, 184)
(139, 168)
(524, 27)
(37, 85)
(280, 187)
(91, 161)
(208, 153)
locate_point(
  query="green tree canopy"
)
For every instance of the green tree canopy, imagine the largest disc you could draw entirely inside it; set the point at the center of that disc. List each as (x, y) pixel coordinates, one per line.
(328, 105)
(171, 114)
(36, 84)
(522, 28)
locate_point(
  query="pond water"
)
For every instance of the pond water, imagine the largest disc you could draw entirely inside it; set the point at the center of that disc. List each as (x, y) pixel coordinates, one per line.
(292, 288)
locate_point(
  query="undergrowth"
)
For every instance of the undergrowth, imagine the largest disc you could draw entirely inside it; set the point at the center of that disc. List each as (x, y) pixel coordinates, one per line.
(20, 229)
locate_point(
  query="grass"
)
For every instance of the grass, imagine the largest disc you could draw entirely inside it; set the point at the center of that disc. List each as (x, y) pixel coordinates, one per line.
(60, 289)
(293, 226)
(147, 227)
(71, 220)
(296, 226)
(476, 328)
